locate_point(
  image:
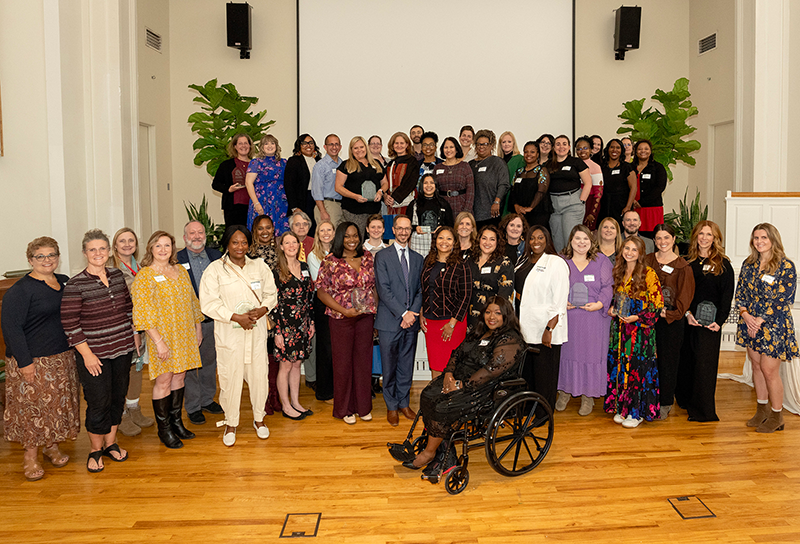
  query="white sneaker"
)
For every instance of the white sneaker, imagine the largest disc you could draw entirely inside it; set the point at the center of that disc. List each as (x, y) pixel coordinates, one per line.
(229, 439)
(618, 418)
(262, 432)
(367, 417)
(350, 420)
(631, 423)
(561, 401)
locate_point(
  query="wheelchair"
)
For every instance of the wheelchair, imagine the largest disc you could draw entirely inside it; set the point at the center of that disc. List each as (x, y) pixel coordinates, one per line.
(514, 426)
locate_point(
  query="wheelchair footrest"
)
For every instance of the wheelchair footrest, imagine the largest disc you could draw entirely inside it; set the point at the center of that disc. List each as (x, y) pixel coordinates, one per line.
(401, 452)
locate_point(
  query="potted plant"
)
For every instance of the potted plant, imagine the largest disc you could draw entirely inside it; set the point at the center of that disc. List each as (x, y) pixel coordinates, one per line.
(224, 113)
(683, 222)
(665, 129)
(214, 232)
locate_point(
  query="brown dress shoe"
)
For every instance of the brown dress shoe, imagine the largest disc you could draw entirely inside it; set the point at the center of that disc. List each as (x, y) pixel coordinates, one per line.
(408, 412)
(392, 418)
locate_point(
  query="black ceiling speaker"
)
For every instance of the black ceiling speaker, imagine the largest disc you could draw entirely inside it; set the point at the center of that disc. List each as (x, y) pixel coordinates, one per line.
(240, 28)
(626, 30)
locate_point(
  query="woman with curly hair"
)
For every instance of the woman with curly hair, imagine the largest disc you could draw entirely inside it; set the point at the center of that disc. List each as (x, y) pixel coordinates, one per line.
(264, 182)
(446, 291)
(492, 272)
(632, 369)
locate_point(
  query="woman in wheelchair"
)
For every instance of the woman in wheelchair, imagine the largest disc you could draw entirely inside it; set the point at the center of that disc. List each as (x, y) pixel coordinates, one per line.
(491, 353)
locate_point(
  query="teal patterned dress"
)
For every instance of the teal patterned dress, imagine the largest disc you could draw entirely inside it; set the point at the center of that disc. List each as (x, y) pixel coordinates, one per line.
(769, 296)
(632, 369)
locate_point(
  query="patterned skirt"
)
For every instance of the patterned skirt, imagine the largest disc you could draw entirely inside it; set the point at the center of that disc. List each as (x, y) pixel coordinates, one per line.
(45, 411)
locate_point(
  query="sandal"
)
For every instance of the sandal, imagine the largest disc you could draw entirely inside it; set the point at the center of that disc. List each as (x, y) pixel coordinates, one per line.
(95, 456)
(57, 457)
(32, 469)
(115, 448)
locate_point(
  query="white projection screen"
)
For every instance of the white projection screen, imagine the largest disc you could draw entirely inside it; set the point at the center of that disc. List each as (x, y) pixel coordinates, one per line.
(380, 66)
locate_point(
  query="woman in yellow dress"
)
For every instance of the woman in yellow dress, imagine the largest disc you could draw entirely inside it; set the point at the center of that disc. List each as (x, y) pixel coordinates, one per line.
(165, 306)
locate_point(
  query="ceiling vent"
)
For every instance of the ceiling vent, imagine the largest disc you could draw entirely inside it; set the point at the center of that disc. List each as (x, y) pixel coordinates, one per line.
(709, 43)
(153, 40)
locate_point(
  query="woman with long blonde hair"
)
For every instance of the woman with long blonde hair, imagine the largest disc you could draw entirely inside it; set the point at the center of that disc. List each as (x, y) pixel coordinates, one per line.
(713, 283)
(321, 343)
(358, 180)
(764, 297)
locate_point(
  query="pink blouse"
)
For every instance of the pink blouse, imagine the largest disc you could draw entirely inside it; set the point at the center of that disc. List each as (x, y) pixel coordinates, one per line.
(339, 279)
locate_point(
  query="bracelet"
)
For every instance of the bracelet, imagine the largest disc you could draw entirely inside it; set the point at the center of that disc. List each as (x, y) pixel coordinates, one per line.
(159, 340)
(742, 312)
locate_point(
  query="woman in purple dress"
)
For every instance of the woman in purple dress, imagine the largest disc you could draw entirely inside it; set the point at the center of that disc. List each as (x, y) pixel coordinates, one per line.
(264, 184)
(583, 357)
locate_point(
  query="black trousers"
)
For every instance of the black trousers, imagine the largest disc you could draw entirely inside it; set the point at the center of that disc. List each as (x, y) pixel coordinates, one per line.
(697, 373)
(324, 389)
(669, 339)
(105, 393)
(541, 372)
(236, 214)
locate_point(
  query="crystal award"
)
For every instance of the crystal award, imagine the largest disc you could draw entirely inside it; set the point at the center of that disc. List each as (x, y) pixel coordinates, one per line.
(368, 190)
(622, 305)
(706, 313)
(579, 295)
(669, 298)
(360, 298)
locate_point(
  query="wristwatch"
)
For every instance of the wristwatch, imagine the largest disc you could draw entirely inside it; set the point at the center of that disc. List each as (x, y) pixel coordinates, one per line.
(547, 328)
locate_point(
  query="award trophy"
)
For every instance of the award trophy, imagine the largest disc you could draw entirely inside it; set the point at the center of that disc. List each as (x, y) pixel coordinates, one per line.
(706, 313)
(242, 308)
(669, 298)
(579, 295)
(360, 298)
(622, 305)
(368, 190)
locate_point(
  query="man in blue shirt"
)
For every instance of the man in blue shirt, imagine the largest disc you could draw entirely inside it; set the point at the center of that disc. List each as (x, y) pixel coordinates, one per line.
(323, 184)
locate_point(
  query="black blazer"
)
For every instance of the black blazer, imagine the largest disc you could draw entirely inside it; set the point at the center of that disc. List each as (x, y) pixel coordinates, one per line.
(295, 182)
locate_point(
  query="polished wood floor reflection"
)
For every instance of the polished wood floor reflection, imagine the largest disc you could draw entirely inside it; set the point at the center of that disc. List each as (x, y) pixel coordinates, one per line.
(600, 483)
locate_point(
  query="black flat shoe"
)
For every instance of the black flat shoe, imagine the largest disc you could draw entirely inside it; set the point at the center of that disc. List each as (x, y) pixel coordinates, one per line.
(305, 413)
(197, 418)
(115, 447)
(213, 408)
(296, 418)
(410, 464)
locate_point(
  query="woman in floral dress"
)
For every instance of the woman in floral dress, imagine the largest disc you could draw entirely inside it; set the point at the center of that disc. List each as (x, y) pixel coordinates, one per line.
(294, 323)
(632, 370)
(264, 184)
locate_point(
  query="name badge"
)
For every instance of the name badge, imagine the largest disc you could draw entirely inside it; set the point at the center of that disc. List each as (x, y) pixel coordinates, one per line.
(305, 273)
(439, 172)
(486, 270)
(159, 278)
(540, 268)
(186, 266)
(668, 269)
(484, 343)
(615, 172)
(333, 170)
(425, 229)
(255, 285)
(588, 277)
(707, 268)
(482, 169)
(769, 279)
(566, 168)
(645, 176)
(517, 180)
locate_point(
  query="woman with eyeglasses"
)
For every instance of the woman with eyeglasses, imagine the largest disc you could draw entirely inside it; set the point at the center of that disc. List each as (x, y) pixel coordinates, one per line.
(546, 142)
(297, 175)
(230, 179)
(42, 405)
(491, 180)
(583, 148)
(96, 312)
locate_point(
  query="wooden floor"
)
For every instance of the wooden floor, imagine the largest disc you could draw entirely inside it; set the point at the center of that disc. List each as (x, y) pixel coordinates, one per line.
(599, 483)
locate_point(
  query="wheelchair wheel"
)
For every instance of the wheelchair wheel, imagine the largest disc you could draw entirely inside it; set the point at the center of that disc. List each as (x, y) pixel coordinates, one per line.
(519, 434)
(419, 443)
(456, 480)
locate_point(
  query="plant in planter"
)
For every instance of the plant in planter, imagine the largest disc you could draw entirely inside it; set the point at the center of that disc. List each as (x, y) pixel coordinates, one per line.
(214, 232)
(667, 129)
(224, 113)
(683, 222)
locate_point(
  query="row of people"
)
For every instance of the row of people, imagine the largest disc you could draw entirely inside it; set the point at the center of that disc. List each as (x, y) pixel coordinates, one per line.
(490, 178)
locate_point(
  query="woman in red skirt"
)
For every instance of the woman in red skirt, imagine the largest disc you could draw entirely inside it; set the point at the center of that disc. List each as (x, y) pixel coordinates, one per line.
(652, 180)
(446, 292)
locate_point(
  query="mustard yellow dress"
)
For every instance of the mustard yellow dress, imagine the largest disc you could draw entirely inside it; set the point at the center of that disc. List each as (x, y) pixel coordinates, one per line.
(171, 307)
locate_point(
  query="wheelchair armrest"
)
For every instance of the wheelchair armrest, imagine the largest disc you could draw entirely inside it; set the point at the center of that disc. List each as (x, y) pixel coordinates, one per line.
(532, 349)
(516, 382)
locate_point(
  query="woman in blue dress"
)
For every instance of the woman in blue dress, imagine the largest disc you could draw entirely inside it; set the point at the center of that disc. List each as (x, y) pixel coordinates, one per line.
(264, 184)
(764, 298)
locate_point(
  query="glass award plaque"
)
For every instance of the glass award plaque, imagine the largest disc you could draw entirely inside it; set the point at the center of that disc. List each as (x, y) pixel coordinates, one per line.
(242, 308)
(368, 190)
(669, 298)
(622, 305)
(360, 298)
(706, 313)
(579, 295)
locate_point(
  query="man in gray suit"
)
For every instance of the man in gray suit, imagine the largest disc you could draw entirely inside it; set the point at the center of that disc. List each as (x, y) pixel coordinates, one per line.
(397, 274)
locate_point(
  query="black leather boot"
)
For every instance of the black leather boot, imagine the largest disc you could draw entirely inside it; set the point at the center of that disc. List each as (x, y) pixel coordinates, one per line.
(175, 421)
(161, 409)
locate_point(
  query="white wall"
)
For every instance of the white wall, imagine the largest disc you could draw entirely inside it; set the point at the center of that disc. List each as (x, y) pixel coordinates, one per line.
(604, 84)
(198, 53)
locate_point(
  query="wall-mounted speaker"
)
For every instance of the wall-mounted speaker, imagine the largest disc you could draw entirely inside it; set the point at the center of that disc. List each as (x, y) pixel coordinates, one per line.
(626, 30)
(240, 27)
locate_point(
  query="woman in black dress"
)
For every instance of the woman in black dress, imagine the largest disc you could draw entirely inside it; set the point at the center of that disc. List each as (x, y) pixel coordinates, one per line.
(297, 176)
(619, 180)
(492, 273)
(360, 174)
(294, 323)
(529, 187)
(713, 281)
(492, 352)
(229, 180)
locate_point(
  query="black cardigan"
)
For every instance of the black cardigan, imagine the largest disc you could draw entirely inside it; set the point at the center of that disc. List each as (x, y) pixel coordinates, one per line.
(295, 182)
(223, 180)
(651, 189)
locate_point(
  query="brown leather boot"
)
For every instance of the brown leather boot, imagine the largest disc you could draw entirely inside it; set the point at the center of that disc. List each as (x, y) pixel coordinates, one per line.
(774, 422)
(762, 411)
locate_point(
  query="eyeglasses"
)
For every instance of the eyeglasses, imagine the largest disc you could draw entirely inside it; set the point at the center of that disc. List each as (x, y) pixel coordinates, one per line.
(307, 143)
(429, 145)
(483, 145)
(582, 148)
(403, 229)
(50, 257)
(301, 223)
(334, 145)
